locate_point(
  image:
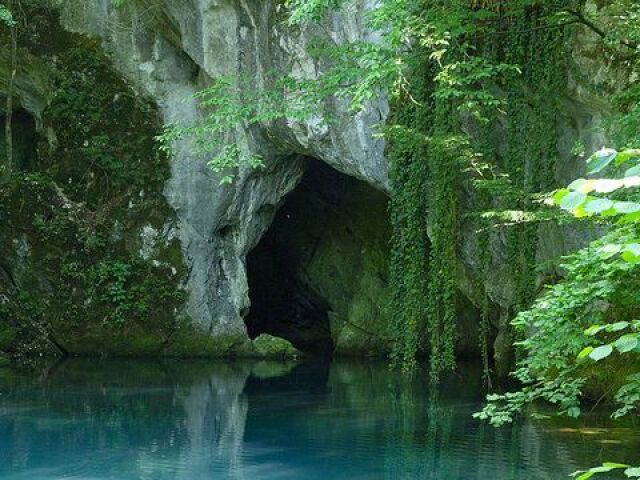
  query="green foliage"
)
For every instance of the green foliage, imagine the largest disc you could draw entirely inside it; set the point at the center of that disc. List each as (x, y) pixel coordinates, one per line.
(580, 328)
(303, 11)
(6, 17)
(629, 471)
(81, 282)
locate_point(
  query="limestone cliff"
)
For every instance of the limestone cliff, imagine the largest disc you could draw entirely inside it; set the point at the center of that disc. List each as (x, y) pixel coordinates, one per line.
(170, 49)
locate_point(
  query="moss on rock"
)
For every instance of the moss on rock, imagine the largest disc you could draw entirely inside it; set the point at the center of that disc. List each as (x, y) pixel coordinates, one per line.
(268, 346)
(88, 260)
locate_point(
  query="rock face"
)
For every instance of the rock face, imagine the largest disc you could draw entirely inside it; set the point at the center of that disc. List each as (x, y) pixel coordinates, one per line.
(171, 49)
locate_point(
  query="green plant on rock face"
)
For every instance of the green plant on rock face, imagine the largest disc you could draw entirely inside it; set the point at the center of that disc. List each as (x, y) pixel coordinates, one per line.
(111, 280)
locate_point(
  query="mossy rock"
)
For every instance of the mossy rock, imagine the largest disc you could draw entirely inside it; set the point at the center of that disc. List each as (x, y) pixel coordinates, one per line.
(81, 270)
(189, 341)
(268, 346)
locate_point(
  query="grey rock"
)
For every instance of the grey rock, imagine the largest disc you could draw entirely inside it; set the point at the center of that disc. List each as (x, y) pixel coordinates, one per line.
(171, 49)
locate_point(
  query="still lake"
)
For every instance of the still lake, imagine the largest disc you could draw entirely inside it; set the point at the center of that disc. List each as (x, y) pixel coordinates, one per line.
(201, 420)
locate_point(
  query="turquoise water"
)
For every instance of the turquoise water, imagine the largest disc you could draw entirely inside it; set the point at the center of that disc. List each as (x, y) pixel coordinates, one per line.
(88, 419)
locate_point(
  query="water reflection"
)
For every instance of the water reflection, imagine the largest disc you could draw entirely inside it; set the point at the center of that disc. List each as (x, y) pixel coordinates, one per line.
(216, 420)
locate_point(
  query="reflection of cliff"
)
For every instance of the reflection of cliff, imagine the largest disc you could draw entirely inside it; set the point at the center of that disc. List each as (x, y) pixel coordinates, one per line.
(151, 420)
(215, 416)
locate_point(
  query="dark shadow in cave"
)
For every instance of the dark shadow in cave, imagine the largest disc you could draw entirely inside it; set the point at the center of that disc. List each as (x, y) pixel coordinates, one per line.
(284, 299)
(25, 139)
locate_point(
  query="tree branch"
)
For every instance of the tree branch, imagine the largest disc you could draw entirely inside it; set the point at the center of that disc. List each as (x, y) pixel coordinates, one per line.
(581, 18)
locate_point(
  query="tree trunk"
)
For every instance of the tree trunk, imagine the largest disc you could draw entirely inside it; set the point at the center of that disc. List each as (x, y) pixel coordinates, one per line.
(8, 130)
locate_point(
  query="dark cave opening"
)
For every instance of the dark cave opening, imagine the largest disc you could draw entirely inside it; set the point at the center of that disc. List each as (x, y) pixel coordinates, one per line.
(25, 139)
(319, 275)
(300, 273)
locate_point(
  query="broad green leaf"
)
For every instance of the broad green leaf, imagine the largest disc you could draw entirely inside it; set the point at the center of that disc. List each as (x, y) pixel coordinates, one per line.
(626, 207)
(633, 171)
(626, 155)
(591, 331)
(626, 343)
(599, 160)
(601, 352)
(633, 472)
(607, 185)
(633, 248)
(582, 185)
(573, 200)
(630, 218)
(598, 205)
(629, 257)
(585, 352)
(631, 253)
(583, 475)
(559, 195)
(616, 327)
(631, 182)
(609, 250)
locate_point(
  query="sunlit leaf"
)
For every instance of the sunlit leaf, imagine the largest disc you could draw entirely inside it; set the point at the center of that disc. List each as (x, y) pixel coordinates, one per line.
(626, 207)
(582, 185)
(633, 172)
(585, 352)
(631, 182)
(601, 352)
(605, 185)
(573, 200)
(616, 327)
(598, 205)
(601, 159)
(609, 250)
(633, 472)
(559, 195)
(626, 343)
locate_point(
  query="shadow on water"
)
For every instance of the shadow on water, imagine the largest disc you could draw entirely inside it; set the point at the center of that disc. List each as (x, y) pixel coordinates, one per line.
(123, 419)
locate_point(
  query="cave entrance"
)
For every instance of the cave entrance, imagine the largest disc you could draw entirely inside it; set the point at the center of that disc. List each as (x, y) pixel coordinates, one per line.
(25, 139)
(319, 272)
